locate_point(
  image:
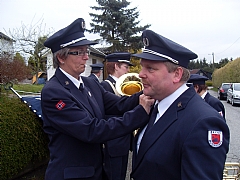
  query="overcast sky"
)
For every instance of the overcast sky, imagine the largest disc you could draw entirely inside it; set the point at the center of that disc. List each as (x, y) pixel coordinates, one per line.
(203, 26)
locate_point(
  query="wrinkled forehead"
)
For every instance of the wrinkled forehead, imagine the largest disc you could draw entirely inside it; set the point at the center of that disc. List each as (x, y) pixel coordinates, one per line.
(149, 62)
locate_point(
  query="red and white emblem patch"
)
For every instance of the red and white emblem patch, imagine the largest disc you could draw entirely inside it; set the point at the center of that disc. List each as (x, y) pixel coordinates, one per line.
(215, 138)
(60, 105)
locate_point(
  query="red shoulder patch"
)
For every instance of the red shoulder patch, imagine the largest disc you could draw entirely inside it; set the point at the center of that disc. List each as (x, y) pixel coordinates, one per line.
(60, 105)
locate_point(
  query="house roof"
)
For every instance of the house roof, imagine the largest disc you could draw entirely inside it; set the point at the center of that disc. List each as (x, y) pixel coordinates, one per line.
(96, 52)
(5, 37)
(201, 72)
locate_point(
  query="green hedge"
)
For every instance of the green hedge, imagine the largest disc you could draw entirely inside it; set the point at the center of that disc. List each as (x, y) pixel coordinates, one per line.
(22, 140)
(209, 83)
(230, 73)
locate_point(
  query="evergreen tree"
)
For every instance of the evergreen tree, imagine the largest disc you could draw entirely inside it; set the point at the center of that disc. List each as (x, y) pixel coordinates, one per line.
(117, 25)
(223, 62)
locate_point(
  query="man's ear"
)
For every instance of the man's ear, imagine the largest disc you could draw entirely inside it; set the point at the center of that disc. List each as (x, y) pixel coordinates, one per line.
(178, 74)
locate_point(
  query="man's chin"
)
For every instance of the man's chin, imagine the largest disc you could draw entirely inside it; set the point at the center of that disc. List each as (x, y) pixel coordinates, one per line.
(145, 92)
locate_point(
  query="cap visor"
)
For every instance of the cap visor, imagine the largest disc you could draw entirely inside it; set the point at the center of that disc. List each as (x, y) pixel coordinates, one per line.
(83, 42)
(149, 57)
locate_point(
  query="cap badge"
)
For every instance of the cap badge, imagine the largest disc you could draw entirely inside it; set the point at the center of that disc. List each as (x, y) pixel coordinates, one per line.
(145, 42)
(215, 138)
(83, 25)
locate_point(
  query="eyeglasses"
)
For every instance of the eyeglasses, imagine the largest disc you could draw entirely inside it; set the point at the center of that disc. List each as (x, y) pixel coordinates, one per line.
(80, 52)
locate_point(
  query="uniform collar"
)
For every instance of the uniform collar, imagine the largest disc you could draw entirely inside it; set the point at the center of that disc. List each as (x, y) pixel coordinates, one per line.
(74, 80)
(114, 77)
(204, 94)
(164, 104)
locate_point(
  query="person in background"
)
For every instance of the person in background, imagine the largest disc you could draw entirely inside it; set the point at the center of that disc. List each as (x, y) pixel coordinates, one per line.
(96, 71)
(200, 87)
(116, 151)
(185, 137)
(117, 65)
(74, 107)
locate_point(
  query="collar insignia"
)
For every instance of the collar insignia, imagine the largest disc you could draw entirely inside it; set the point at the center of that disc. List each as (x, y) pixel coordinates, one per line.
(179, 104)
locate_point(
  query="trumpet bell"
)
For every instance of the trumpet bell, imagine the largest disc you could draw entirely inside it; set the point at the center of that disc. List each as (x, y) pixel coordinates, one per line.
(129, 84)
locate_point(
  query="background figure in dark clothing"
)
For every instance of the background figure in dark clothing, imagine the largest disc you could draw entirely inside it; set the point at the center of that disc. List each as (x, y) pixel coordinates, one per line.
(200, 87)
(116, 151)
(96, 71)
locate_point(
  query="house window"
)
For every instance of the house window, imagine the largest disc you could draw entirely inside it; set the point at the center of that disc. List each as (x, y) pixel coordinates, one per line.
(94, 61)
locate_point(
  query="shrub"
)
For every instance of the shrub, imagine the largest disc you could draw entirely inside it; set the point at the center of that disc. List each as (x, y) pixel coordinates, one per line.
(209, 83)
(22, 139)
(227, 74)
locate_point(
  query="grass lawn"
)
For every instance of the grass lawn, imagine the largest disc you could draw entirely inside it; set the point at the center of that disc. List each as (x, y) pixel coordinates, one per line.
(28, 87)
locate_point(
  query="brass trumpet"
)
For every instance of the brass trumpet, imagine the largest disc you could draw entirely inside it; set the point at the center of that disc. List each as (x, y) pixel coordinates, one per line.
(129, 84)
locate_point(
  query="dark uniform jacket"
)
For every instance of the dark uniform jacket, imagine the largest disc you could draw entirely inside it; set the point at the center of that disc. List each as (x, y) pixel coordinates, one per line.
(107, 86)
(94, 77)
(180, 144)
(116, 151)
(76, 127)
(215, 103)
(119, 146)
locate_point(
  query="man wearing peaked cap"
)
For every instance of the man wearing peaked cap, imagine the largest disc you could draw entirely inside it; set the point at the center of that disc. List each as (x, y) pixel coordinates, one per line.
(200, 87)
(96, 71)
(116, 151)
(184, 133)
(159, 48)
(74, 110)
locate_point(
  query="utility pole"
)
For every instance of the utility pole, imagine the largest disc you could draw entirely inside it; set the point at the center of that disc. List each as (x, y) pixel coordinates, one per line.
(213, 60)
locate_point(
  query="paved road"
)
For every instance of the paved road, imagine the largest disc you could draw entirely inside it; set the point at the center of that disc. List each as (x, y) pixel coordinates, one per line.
(233, 121)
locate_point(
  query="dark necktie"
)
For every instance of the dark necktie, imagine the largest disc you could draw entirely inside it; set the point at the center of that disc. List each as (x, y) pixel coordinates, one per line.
(152, 117)
(81, 88)
(84, 91)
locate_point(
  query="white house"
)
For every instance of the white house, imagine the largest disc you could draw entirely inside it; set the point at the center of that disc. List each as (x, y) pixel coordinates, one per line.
(6, 45)
(95, 56)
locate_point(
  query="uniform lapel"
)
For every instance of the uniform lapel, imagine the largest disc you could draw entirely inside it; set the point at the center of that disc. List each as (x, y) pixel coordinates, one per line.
(150, 137)
(206, 98)
(92, 101)
(80, 97)
(163, 123)
(112, 80)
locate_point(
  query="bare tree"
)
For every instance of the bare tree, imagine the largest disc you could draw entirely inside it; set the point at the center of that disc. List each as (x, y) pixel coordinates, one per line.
(29, 41)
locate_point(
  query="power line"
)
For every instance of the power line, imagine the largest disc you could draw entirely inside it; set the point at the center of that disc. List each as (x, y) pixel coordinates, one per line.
(229, 46)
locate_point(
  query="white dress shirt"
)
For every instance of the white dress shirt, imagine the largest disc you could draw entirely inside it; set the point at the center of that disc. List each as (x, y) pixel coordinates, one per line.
(163, 105)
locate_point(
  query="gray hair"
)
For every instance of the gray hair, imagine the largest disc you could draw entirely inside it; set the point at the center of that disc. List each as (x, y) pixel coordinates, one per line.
(172, 67)
(62, 53)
